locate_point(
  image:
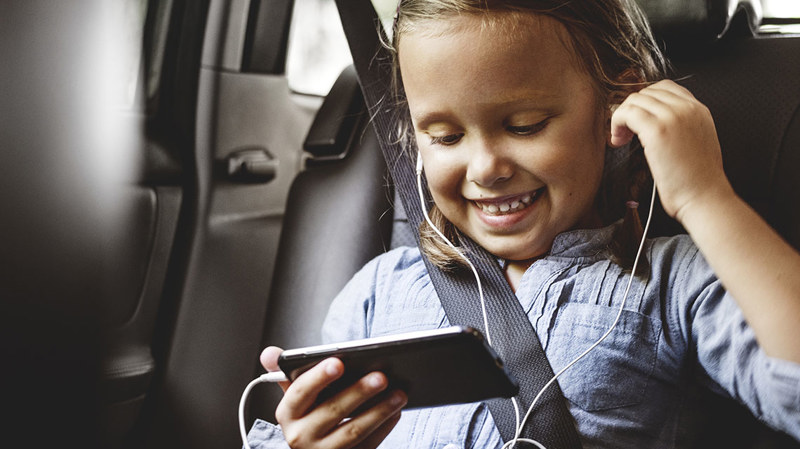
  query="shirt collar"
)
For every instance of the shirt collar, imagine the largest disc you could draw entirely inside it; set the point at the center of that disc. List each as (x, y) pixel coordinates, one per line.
(583, 243)
(579, 243)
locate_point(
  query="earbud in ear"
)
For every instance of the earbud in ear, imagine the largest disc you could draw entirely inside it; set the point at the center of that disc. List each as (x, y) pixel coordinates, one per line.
(419, 163)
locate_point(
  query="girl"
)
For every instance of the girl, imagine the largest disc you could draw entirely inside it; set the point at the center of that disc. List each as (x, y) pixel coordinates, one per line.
(522, 113)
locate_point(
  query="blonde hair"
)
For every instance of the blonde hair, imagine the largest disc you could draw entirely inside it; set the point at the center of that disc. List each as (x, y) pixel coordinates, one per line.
(613, 43)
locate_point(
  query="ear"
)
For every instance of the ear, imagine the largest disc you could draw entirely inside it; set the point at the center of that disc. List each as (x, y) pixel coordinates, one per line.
(629, 81)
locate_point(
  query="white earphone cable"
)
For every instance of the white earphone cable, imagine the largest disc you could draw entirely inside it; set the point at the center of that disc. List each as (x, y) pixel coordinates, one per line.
(608, 332)
(451, 245)
(242, 430)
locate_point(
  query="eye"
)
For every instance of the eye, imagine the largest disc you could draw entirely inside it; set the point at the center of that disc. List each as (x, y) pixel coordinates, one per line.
(527, 130)
(450, 139)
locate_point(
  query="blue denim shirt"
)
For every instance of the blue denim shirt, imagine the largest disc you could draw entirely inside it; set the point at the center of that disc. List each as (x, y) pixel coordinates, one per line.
(679, 328)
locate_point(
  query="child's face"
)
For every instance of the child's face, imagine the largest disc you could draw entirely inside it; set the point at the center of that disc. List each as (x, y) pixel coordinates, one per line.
(509, 128)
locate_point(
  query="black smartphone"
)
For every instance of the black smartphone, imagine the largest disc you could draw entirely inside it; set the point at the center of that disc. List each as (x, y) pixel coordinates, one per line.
(437, 367)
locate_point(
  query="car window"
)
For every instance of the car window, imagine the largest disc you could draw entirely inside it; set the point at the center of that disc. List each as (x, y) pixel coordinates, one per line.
(131, 14)
(318, 49)
(781, 8)
(781, 16)
(144, 25)
(155, 44)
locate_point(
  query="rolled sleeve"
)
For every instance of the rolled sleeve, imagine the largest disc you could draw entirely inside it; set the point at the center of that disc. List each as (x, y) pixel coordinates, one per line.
(731, 358)
(784, 394)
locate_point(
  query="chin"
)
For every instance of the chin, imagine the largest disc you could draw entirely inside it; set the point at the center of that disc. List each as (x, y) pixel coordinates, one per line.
(518, 252)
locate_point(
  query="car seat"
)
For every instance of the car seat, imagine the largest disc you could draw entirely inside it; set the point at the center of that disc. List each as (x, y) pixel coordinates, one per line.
(338, 217)
(340, 211)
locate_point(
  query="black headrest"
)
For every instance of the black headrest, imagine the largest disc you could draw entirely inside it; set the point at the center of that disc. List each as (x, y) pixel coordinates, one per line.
(684, 23)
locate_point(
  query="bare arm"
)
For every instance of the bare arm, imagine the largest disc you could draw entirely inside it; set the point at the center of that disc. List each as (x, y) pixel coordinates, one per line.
(759, 269)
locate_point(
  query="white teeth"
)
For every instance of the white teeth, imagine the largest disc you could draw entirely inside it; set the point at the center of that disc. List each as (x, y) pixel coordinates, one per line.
(502, 208)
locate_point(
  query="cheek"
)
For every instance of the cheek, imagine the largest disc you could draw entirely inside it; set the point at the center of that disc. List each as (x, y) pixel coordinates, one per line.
(571, 165)
(442, 172)
(577, 168)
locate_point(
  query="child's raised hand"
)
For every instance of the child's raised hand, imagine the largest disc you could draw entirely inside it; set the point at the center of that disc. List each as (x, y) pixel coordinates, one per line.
(306, 424)
(680, 143)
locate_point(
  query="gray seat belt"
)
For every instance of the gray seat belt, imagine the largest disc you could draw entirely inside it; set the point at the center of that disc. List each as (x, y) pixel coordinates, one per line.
(514, 338)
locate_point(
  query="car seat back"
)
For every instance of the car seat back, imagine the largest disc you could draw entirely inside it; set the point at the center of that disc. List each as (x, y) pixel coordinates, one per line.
(338, 217)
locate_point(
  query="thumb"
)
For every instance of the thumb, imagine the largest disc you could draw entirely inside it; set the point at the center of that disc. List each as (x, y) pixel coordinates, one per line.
(620, 134)
(269, 360)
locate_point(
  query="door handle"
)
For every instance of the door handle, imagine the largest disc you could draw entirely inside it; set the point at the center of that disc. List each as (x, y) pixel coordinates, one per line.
(251, 165)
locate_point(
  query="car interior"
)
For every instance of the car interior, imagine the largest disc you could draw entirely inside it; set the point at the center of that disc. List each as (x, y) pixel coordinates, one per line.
(247, 205)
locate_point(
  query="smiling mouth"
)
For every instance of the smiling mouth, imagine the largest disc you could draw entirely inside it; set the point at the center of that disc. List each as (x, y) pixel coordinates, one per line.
(509, 205)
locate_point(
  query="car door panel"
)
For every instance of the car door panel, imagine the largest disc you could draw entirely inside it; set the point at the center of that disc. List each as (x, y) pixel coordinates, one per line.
(210, 334)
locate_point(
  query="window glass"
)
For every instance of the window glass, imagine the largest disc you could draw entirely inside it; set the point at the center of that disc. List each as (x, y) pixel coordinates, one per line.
(156, 44)
(318, 50)
(783, 9)
(781, 16)
(142, 33)
(132, 13)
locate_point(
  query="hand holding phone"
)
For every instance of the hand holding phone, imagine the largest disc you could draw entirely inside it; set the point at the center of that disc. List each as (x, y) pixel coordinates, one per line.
(342, 420)
(438, 367)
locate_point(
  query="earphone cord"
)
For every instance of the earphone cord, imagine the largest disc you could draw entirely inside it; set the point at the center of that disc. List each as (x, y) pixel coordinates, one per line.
(608, 332)
(451, 245)
(521, 425)
(242, 401)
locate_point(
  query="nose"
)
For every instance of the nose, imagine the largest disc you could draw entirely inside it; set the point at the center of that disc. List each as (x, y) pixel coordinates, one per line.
(488, 165)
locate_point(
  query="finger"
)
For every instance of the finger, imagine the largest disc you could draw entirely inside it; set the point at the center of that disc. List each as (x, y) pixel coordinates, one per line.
(619, 134)
(321, 421)
(269, 360)
(629, 120)
(647, 99)
(369, 428)
(659, 99)
(672, 87)
(302, 393)
(682, 105)
(658, 103)
(343, 404)
(377, 437)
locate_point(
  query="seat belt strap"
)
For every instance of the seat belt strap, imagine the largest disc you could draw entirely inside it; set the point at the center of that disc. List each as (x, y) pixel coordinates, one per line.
(513, 336)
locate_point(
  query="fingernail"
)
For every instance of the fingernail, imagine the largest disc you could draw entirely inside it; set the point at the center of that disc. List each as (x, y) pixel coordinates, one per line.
(331, 367)
(375, 380)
